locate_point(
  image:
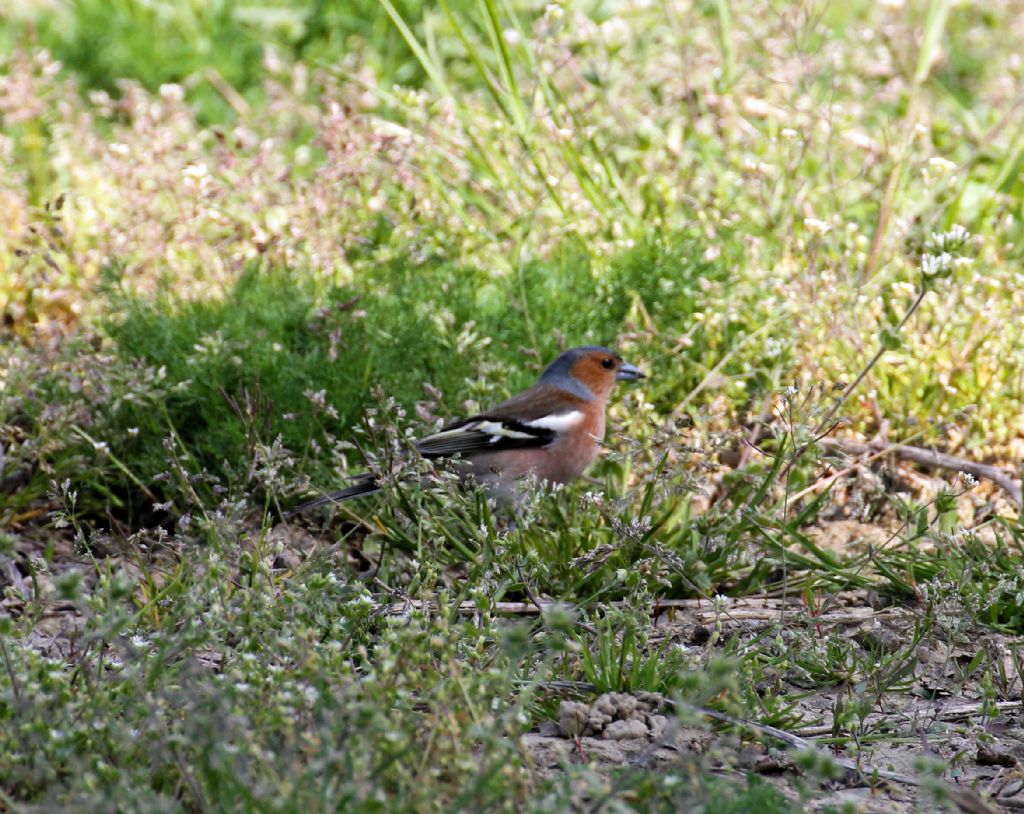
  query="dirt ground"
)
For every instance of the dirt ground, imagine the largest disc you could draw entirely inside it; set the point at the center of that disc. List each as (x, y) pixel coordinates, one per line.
(935, 722)
(936, 726)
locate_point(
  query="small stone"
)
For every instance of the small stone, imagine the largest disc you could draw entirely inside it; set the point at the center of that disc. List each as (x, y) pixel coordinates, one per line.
(287, 560)
(772, 764)
(625, 730)
(572, 718)
(625, 705)
(995, 755)
(605, 704)
(653, 701)
(656, 724)
(598, 720)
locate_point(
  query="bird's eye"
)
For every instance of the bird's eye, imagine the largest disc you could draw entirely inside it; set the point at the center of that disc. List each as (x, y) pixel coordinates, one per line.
(607, 363)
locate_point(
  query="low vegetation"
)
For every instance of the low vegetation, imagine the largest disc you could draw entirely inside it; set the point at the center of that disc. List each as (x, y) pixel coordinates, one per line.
(248, 251)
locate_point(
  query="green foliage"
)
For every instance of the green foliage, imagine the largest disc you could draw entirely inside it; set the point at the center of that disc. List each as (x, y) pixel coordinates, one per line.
(685, 789)
(280, 357)
(271, 703)
(450, 195)
(617, 665)
(204, 44)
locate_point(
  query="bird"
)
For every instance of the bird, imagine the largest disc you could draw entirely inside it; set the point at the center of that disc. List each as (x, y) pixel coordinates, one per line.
(551, 431)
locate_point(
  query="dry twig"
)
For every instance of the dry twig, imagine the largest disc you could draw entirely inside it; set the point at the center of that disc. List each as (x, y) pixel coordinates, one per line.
(939, 460)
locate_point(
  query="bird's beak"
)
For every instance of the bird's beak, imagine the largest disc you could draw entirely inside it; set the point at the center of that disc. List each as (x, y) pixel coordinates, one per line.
(629, 373)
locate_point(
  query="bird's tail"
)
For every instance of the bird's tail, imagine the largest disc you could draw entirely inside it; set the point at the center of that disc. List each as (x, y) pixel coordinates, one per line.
(364, 485)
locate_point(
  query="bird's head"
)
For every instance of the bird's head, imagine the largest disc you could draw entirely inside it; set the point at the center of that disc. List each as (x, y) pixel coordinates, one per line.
(590, 368)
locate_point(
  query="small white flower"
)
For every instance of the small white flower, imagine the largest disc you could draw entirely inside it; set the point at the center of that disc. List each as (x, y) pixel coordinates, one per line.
(172, 92)
(553, 12)
(933, 265)
(941, 165)
(196, 171)
(950, 240)
(615, 31)
(818, 227)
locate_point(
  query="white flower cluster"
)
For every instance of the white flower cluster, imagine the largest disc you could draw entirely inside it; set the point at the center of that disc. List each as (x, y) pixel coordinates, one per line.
(943, 252)
(936, 265)
(950, 241)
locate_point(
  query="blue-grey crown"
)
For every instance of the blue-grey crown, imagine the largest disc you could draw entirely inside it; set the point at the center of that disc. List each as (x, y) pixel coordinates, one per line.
(557, 373)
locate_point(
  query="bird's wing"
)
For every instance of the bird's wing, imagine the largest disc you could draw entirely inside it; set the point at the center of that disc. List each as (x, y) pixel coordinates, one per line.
(531, 419)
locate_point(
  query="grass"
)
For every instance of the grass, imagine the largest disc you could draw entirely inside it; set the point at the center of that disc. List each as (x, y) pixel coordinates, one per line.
(220, 51)
(280, 357)
(351, 221)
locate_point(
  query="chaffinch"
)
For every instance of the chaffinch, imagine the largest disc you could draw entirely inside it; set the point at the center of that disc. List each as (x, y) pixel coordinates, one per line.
(552, 431)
